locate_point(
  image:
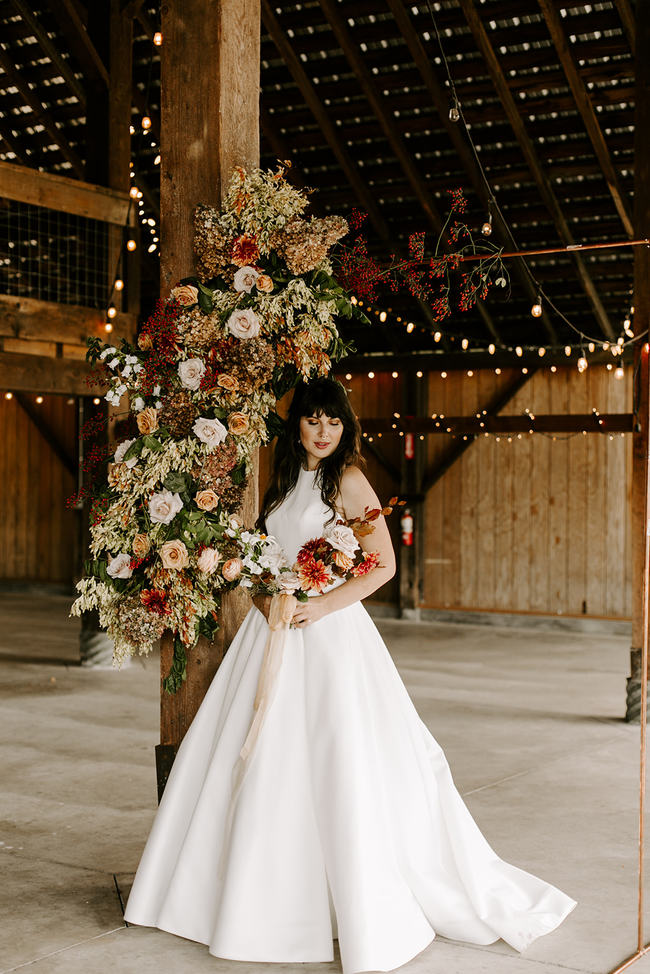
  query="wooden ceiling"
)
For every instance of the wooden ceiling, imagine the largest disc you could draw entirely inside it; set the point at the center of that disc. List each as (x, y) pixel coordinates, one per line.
(355, 94)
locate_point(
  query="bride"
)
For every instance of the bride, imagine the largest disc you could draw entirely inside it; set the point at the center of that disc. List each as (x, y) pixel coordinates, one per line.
(348, 824)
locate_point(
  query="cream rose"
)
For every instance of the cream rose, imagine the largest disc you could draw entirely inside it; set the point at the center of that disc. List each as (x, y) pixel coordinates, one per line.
(164, 506)
(238, 423)
(288, 582)
(273, 557)
(232, 569)
(264, 283)
(185, 294)
(208, 560)
(121, 450)
(210, 431)
(173, 554)
(245, 279)
(341, 537)
(227, 382)
(190, 372)
(207, 500)
(141, 545)
(120, 566)
(244, 323)
(147, 420)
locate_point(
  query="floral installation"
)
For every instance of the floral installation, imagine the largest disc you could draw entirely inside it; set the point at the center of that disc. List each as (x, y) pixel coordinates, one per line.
(429, 277)
(263, 566)
(202, 383)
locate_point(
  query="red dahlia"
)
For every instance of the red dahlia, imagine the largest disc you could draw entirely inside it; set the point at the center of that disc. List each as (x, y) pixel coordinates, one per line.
(155, 600)
(245, 251)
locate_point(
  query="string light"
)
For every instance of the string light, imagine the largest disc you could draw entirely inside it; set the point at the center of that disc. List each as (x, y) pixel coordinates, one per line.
(131, 245)
(465, 344)
(119, 284)
(410, 326)
(627, 328)
(157, 38)
(536, 310)
(108, 326)
(582, 363)
(486, 229)
(437, 336)
(541, 351)
(491, 349)
(591, 347)
(567, 350)
(348, 376)
(97, 400)
(146, 122)
(371, 375)
(112, 311)
(394, 374)
(133, 192)
(454, 111)
(519, 351)
(619, 373)
(39, 399)
(382, 316)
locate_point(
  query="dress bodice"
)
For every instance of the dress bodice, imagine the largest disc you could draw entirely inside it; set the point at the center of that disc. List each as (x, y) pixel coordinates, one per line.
(301, 516)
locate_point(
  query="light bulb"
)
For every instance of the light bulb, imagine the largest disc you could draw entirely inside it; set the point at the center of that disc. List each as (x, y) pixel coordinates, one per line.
(486, 229)
(371, 375)
(348, 376)
(133, 191)
(39, 399)
(97, 400)
(157, 38)
(108, 326)
(395, 374)
(437, 336)
(119, 284)
(536, 310)
(131, 245)
(112, 311)
(146, 122)
(410, 327)
(519, 351)
(567, 350)
(151, 248)
(465, 343)
(491, 349)
(591, 347)
(619, 373)
(541, 352)
(9, 395)
(156, 161)
(382, 316)
(582, 363)
(454, 113)
(131, 130)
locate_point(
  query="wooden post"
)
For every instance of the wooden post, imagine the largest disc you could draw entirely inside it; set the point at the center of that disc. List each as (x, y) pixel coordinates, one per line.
(641, 438)
(414, 403)
(210, 77)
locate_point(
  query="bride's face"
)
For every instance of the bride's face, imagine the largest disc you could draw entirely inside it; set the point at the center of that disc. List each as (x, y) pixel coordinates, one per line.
(320, 436)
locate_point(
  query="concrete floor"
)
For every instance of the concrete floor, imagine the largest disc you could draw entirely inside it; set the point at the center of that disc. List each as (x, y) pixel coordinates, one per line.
(530, 721)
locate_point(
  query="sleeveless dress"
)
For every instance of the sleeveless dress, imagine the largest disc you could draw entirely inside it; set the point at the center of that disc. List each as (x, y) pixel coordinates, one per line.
(348, 824)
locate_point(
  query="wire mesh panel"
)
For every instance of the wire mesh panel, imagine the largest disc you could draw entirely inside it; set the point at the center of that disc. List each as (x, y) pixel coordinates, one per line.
(53, 256)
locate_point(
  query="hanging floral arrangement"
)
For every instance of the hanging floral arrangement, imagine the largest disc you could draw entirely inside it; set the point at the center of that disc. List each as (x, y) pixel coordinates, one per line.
(202, 383)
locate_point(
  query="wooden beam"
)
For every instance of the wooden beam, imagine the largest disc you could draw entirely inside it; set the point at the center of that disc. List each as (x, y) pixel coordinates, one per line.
(478, 426)
(39, 114)
(40, 373)
(31, 319)
(440, 361)
(641, 440)
(381, 459)
(626, 14)
(381, 111)
(440, 99)
(533, 161)
(50, 49)
(586, 109)
(74, 28)
(456, 450)
(210, 64)
(61, 193)
(47, 432)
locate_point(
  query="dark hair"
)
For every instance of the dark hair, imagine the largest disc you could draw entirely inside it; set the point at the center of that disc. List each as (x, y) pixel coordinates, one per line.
(322, 395)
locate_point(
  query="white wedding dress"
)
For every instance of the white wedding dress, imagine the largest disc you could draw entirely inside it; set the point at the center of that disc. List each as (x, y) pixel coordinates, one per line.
(348, 823)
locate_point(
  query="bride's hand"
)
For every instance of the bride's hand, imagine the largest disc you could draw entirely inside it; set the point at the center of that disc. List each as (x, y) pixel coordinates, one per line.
(310, 611)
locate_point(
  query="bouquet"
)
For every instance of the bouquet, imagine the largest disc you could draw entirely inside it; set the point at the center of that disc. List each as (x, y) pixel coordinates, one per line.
(336, 554)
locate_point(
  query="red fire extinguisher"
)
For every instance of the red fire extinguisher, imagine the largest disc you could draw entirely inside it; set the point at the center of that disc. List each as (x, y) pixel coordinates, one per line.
(409, 446)
(406, 525)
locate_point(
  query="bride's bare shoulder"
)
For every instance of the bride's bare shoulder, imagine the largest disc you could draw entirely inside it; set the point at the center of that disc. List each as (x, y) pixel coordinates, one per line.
(355, 491)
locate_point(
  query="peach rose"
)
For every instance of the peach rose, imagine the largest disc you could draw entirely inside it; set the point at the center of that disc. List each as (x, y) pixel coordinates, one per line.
(185, 294)
(238, 423)
(264, 283)
(232, 569)
(208, 560)
(342, 560)
(207, 500)
(227, 382)
(141, 545)
(147, 420)
(173, 554)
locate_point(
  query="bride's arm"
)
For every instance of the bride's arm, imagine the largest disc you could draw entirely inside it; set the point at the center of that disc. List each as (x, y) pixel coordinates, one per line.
(356, 495)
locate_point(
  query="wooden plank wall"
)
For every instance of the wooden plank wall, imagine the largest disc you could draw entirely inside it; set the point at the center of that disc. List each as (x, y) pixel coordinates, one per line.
(535, 525)
(36, 530)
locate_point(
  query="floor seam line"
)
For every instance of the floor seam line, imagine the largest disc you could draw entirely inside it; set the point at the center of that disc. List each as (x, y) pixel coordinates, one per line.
(62, 950)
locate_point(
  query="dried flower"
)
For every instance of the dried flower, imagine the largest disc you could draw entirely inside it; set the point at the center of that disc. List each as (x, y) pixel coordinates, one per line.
(173, 554)
(185, 294)
(147, 420)
(207, 500)
(232, 569)
(178, 413)
(141, 545)
(245, 250)
(238, 423)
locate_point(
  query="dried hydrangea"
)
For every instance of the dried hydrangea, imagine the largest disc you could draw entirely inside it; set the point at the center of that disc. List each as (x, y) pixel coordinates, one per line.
(216, 467)
(138, 625)
(212, 247)
(178, 413)
(304, 243)
(199, 330)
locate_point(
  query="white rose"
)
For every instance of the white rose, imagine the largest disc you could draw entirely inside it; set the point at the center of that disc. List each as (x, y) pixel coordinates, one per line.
(245, 279)
(120, 566)
(208, 560)
(210, 431)
(288, 582)
(138, 404)
(164, 507)
(273, 557)
(121, 450)
(341, 537)
(190, 372)
(244, 323)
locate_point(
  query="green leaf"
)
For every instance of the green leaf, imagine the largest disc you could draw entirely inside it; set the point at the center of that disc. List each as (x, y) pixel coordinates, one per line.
(238, 474)
(177, 482)
(274, 424)
(134, 450)
(178, 671)
(152, 443)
